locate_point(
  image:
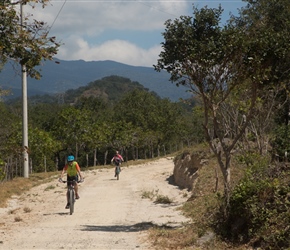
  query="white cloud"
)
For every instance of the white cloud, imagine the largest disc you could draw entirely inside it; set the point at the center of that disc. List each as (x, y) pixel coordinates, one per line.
(91, 17)
(116, 50)
(83, 24)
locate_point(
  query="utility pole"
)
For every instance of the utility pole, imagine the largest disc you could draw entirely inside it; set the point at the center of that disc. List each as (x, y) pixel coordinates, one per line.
(24, 112)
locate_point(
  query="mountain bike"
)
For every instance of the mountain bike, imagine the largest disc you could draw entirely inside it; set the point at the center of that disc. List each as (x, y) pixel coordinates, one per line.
(71, 193)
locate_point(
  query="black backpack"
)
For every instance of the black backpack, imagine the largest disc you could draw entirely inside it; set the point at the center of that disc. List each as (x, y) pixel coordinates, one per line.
(117, 160)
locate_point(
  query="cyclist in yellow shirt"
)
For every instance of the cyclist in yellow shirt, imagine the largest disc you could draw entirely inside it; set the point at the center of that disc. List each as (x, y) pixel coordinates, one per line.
(73, 171)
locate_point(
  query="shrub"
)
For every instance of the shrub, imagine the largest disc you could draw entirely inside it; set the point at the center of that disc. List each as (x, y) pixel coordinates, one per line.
(259, 210)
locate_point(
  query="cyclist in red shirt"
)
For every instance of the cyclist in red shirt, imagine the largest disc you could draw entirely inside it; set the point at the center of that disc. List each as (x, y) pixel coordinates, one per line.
(117, 159)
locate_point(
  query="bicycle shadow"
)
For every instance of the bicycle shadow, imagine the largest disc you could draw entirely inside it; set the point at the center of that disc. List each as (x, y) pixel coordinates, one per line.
(60, 213)
(122, 228)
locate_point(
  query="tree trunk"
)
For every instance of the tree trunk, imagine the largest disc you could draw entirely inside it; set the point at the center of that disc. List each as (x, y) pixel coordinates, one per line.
(105, 157)
(216, 180)
(158, 150)
(56, 163)
(225, 167)
(133, 153)
(126, 154)
(30, 160)
(44, 162)
(76, 156)
(137, 153)
(95, 157)
(227, 177)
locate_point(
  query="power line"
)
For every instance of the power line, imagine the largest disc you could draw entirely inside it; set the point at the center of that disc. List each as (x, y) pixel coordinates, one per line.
(148, 5)
(57, 15)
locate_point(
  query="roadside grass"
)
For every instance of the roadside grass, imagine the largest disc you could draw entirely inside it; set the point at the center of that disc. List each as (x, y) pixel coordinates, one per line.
(19, 185)
(148, 194)
(158, 198)
(162, 199)
(201, 208)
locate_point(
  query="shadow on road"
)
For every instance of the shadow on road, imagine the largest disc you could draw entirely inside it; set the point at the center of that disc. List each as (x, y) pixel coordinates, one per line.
(120, 228)
(61, 213)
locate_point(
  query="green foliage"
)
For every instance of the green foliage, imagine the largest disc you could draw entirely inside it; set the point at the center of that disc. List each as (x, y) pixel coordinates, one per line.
(281, 142)
(43, 146)
(138, 121)
(253, 159)
(267, 53)
(107, 89)
(27, 43)
(259, 210)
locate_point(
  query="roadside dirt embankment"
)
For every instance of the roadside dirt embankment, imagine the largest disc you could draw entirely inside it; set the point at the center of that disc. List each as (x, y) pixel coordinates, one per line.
(186, 169)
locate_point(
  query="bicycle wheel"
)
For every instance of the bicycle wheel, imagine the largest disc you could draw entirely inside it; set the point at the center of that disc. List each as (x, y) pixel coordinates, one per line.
(71, 201)
(118, 172)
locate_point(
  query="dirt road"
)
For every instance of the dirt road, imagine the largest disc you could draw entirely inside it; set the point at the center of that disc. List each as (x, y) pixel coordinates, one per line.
(110, 214)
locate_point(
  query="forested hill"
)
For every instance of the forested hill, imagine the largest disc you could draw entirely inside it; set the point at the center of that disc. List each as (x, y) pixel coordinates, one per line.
(108, 89)
(59, 77)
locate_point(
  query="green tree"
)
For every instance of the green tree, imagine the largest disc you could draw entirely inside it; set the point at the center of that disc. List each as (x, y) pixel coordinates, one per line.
(227, 66)
(145, 112)
(70, 127)
(27, 42)
(43, 148)
(7, 124)
(43, 115)
(199, 54)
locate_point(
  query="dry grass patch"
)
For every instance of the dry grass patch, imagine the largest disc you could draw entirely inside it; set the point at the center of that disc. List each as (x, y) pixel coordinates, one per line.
(50, 187)
(17, 219)
(27, 210)
(162, 199)
(172, 239)
(149, 194)
(19, 185)
(158, 198)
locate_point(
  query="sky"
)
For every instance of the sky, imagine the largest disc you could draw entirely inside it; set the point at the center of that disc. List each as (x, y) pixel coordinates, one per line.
(125, 31)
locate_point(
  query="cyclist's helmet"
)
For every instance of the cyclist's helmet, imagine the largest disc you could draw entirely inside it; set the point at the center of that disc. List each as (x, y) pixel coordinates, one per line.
(70, 158)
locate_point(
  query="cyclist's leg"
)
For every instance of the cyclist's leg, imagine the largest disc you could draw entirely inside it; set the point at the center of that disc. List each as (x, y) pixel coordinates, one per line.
(76, 188)
(116, 165)
(76, 191)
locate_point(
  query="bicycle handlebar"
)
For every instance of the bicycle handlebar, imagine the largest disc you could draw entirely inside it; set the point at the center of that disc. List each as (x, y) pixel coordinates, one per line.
(61, 180)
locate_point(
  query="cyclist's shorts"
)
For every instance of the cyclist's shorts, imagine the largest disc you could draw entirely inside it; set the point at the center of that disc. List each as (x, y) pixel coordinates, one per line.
(71, 178)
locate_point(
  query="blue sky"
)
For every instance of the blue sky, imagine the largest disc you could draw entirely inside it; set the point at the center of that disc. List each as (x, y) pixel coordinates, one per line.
(126, 31)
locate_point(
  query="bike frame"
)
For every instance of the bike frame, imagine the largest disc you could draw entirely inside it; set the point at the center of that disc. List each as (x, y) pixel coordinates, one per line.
(117, 171)
(71, 193)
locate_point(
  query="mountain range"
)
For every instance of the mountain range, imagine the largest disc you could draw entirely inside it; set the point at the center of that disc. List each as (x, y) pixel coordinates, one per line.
(64, 75)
